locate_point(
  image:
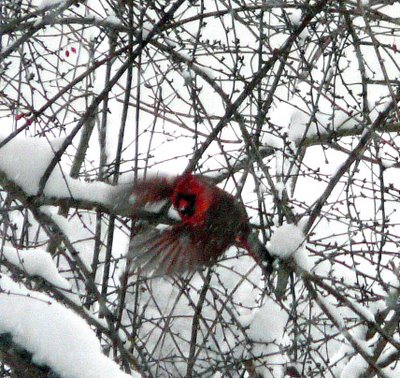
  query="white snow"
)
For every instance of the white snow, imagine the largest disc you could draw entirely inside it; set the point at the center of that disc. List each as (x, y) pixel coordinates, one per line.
(345, 362)
(388, 163)
(114, 20)
(280, 187)
(266, 330)
(54, 335)
(45, 4)
(38, 21)
(207, 71)
(364, 311)
(24, 160)
(187, 75)
(271, 140)
(171, 43)
(36, 262)
(147, 28)
(295, 16)
(354, 368)
(269, 313)
(334, 311)
(287, 242)
(294, 116)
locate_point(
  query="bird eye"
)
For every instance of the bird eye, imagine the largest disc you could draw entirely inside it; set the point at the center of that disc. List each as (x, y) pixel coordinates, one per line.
(185, 204)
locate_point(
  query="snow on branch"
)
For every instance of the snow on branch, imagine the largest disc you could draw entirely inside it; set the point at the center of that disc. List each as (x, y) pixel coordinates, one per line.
(20, 361)
(55, 336)
(287, 242)
(23, 162)
(36, 262)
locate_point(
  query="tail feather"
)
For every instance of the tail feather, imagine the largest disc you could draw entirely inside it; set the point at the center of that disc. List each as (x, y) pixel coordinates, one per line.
(260, 253)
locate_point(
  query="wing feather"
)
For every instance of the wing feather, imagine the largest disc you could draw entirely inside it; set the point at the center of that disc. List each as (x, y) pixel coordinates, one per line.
(172, 251)
(144, 195)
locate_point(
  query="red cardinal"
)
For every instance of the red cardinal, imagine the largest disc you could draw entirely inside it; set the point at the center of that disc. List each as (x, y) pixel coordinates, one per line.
(211, 221)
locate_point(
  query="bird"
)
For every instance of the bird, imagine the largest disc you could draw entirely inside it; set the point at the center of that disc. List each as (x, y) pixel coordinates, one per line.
(210, 221)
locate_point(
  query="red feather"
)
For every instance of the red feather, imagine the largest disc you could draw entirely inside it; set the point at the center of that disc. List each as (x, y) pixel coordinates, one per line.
(211, 221)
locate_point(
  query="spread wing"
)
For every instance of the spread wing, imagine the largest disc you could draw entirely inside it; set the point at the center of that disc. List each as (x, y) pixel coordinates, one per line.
(130, 199)
(165, 252)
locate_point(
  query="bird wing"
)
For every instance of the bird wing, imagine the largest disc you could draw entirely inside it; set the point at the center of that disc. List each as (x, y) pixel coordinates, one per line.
(144, 195)
(165, 252)
(151, 191)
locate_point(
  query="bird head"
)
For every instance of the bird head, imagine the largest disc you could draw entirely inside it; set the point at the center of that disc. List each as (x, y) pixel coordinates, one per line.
(192, 198)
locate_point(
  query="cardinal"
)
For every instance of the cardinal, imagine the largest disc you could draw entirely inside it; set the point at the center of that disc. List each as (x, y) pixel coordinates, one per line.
(211, 220)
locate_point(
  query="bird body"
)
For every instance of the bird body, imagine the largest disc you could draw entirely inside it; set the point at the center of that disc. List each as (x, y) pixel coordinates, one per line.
(211, 221)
